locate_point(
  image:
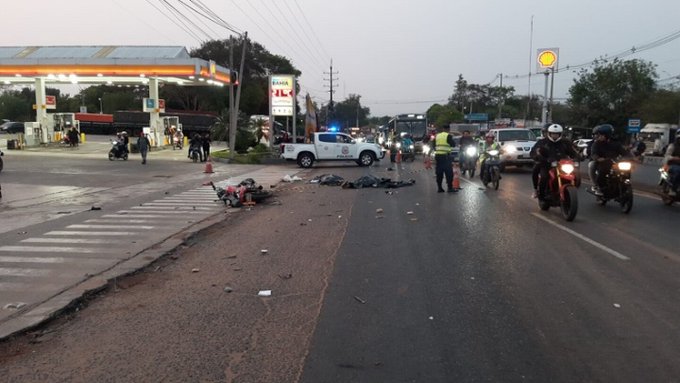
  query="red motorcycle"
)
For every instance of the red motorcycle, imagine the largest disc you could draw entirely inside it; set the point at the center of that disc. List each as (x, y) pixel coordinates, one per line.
(561, 189)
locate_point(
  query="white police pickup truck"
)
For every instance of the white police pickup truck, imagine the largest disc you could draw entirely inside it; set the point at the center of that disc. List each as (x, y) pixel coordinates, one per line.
(331, 146)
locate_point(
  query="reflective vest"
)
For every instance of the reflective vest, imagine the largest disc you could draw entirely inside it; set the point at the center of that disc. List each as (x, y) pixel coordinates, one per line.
(442, 144)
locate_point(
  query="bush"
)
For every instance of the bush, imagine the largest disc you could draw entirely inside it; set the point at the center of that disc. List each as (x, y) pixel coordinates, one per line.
(260, 148)
(244, 140)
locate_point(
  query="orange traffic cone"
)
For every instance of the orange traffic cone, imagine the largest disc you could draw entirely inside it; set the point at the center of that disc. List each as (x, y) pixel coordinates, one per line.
(427, 161)
(208, 166)
(456, 177)
(398, 156)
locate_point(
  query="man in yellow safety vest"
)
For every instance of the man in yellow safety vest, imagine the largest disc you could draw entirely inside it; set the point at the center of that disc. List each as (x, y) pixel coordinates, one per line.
(443, 145)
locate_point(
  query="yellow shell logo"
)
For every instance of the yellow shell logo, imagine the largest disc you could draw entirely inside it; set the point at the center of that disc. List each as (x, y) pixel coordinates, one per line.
(547, 59)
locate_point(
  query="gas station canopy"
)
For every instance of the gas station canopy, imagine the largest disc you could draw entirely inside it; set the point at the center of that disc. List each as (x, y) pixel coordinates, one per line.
(108, 65)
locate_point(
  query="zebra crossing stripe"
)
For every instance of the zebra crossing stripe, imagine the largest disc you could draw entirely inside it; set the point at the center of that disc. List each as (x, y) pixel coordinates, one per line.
(17, 272)
(71, 240)
(123, 220)
(92, 233)
(56, 249)
(135, 216)
(179, 209)
(54, 260)
(136, 227)
(157, 211)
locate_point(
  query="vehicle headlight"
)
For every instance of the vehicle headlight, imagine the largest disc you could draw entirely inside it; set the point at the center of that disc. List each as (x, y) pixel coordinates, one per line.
(426, 149)
(493, 152)
(470, 151)
(625, 165)
(509, 149)
(398, 145)
(381, 140)
(411, 146)
(567, 168)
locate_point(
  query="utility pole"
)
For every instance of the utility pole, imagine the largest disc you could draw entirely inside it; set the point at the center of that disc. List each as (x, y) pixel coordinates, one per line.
(500, 98)
(331, 108)
(233, 113)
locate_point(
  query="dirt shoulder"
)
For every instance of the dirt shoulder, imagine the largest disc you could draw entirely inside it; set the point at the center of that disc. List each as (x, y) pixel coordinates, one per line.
(176, 321)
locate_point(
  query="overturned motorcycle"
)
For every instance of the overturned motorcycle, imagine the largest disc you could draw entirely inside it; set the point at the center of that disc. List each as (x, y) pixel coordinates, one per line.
(561, 189)
(248, 191)
(617, 187)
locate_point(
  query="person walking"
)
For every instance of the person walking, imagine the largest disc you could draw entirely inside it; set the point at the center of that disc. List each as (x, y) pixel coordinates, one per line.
(206, 146)
(143, 145)
(443, 145)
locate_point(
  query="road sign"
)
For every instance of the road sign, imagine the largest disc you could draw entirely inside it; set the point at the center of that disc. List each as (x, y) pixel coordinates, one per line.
(634, 125)
(477, 117)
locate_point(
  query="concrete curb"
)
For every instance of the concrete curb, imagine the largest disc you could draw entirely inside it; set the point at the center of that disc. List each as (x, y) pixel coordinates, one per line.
(69, 299)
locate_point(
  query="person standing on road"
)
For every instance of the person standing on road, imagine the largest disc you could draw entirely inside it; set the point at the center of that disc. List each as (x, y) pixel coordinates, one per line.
(143, 145)
(206, 146)
(443, 145)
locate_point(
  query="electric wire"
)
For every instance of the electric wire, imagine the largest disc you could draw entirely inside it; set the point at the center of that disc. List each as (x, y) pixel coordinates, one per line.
(200, 19)
(304, 16)
(304, 31)
(172, 10)
(299, 38)
(174, 21)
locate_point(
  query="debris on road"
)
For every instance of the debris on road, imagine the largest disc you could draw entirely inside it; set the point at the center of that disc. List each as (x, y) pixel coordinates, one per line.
(363, 302)
(328, 179)
(379, 210)
(288, 178)
(286, 276)
(264, 293)
(95, 207)
(618, 306)
(264, 251)
(195, 270)
(14, 306)
(228, 289)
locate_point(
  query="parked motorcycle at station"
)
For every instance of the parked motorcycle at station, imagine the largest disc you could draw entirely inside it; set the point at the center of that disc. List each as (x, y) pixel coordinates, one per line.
(118, 151)
(561, 189)
(617, 186)
(468, 160)
(666, 187)
(491, 172)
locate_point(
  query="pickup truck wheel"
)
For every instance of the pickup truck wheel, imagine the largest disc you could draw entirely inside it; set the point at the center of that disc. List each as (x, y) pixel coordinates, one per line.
(305, 160)
(366, 159)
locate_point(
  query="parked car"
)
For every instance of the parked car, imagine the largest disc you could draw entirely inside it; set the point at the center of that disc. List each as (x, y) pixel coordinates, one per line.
(516, 143)
(12, 127)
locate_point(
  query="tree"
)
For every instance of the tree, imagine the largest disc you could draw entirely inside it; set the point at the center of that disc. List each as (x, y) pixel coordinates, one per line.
(662, 106)
(347, 112)
(441, 115)
(612, 92)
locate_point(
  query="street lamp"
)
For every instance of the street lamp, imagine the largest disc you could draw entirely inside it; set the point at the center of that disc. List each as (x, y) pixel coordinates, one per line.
(101, 109)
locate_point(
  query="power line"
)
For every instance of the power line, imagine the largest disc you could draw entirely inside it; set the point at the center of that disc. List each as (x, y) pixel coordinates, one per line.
(181, 26)
(171, 8)
(311, 28)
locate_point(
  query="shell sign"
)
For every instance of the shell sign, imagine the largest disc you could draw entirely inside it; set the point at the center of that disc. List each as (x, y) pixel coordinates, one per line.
(547, 58)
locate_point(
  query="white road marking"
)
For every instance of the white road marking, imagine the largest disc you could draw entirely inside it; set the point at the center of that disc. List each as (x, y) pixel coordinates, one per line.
(92, 233)
(79, 261)
(15, 272)
(163, 218)
(178, 209)
(179, 204)
(157, 211)
(56, 249)
(81, 226)
(123, 220)
(583, 237)
(71, 240)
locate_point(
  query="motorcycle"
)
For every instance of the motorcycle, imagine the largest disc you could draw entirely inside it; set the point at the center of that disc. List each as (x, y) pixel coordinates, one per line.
(617, 187)
(118, 150)
(666, 187)
(408, 152)
(244, 193)
(194, 153)
(491, 172)
(468, 162)
(561, 189)
(176, 142)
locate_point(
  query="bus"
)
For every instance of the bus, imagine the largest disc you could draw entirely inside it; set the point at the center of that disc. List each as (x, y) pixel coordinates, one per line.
(413, 124)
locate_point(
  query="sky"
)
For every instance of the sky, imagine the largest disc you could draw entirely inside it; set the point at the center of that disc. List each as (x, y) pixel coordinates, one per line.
(400, 56)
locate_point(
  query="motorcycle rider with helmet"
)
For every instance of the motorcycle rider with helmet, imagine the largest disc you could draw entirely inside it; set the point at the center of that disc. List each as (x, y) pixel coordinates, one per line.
(604, 151)
(488, 144)
(672, 159)
(555, 148)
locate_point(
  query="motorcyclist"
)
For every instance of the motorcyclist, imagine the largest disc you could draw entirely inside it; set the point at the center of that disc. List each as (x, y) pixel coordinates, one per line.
(672, 159)
(604, 151)
(554, 148)
(196, 144)
(488, 144)
(537, 165)
(588, 152)
(466, 140)
(406, 142)
(126, 141)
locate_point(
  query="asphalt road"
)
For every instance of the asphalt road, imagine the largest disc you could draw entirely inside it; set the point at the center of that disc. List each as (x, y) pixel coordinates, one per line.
(400, 285)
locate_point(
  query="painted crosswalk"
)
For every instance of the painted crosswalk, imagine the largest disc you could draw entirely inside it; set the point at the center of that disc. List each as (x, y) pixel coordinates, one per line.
(63, 255)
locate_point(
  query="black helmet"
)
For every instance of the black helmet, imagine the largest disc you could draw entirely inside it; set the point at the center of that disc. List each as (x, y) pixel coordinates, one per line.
(605, 130)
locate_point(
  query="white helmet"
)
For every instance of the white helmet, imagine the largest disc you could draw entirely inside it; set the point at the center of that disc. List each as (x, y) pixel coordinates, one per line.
(555, 128)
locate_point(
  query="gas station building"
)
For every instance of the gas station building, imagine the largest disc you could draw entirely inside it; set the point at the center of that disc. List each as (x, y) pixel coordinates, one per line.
(98, 65)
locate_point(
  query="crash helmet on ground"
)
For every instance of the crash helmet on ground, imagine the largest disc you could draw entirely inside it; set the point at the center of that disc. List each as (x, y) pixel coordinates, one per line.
(555, 132)
(605, 130)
